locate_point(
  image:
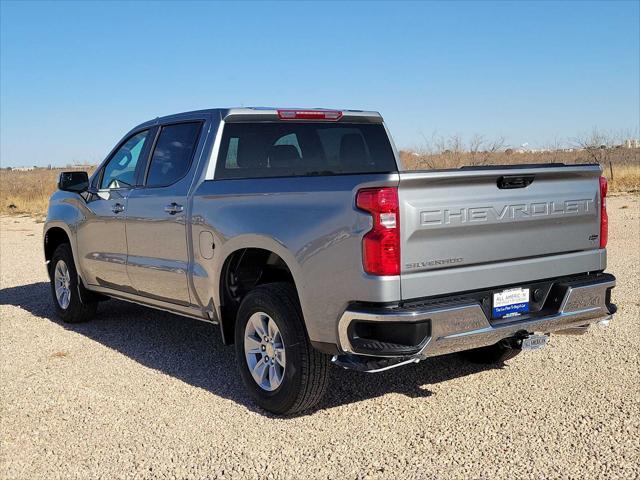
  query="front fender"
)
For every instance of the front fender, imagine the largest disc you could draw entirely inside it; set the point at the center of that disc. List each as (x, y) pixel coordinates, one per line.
(65, 213)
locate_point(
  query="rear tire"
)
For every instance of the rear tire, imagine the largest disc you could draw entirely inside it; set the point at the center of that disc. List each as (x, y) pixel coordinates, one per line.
(66, 290)
(295, 377)
(497, 353)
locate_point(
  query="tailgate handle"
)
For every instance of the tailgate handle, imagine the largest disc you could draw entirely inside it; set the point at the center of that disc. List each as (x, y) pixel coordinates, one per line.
(515, 181)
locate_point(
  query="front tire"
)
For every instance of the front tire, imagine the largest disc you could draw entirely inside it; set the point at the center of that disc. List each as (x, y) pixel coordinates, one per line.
(65, 289)
(283, 373)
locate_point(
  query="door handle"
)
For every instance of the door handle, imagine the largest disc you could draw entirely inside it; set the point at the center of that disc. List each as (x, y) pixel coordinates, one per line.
(117, 208)
(173, 208)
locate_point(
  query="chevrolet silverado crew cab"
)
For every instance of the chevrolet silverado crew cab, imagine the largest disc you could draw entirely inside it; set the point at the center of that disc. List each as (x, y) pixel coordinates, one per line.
(300, 234)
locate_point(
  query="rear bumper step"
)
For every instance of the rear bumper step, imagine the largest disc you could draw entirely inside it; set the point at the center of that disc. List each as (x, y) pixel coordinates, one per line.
(461, 322)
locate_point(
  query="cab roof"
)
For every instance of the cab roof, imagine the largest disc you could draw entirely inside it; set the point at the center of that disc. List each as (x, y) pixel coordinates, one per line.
(252, 114)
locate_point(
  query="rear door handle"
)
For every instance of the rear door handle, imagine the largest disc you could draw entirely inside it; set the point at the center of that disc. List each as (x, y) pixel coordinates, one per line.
(173, 208)
(117, 208)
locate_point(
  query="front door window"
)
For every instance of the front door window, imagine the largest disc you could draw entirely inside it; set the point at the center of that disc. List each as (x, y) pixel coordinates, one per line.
(120, 172)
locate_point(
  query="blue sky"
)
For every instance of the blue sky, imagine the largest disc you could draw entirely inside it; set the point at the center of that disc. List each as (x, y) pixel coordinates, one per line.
(76, 76)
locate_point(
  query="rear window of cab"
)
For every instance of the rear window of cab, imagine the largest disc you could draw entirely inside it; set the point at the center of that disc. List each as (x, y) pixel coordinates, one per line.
(283, 149)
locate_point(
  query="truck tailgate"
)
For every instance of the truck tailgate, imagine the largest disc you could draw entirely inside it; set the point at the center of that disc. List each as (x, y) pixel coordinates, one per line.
(490, 216)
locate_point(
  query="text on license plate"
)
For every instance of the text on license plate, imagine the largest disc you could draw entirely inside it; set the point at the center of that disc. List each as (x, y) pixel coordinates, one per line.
(511, 302)
(534, 342)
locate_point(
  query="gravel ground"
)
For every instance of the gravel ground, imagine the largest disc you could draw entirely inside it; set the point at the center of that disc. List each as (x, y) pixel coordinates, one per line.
(144, 394)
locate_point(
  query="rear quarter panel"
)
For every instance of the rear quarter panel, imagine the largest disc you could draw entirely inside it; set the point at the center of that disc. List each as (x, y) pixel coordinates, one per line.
(310, 222)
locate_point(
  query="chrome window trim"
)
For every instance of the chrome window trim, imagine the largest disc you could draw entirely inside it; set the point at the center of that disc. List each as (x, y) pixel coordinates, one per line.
(213, 158)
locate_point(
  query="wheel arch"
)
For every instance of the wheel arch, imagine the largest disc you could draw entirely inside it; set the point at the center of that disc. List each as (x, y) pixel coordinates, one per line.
(260, 261)
(56, 234)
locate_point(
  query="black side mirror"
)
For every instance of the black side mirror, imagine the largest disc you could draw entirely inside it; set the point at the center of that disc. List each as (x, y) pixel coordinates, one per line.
(76, 182)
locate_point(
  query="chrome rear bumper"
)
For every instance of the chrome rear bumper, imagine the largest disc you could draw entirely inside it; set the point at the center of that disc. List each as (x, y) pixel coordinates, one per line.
(463, 326)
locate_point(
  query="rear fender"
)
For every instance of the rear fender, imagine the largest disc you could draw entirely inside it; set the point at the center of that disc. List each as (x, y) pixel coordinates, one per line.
(253, 241)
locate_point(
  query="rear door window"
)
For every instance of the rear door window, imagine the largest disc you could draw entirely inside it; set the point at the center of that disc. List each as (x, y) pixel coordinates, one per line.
(173, 153)
(273, 149)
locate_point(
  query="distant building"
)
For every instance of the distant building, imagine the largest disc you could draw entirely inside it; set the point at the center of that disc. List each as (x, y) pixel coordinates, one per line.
(632, 143)
(79, 167)
(23, 169)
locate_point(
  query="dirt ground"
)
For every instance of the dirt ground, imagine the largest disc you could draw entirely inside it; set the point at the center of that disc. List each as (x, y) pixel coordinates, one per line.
(143, 394)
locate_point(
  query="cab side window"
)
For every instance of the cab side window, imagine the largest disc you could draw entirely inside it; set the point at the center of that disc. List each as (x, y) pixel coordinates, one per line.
(120, 172)
(173, 153)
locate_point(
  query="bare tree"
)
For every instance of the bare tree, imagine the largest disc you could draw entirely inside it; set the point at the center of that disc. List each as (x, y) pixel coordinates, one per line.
(597, 144)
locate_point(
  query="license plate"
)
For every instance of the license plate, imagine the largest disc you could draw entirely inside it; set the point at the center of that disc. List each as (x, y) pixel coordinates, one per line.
(510, 303)
(534, 342)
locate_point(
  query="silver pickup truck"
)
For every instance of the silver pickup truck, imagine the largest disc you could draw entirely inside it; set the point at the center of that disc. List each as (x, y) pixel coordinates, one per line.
(300, 234)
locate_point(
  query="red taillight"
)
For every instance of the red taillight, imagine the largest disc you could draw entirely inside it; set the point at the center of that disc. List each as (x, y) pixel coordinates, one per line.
(381, 245)
(331, 115)
(604, 219)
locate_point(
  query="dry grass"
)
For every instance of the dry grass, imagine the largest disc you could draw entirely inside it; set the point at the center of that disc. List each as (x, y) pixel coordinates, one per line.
(27, 193)
(626, 178)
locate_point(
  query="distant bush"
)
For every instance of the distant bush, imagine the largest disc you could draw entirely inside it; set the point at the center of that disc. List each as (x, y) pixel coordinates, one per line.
(620, 165)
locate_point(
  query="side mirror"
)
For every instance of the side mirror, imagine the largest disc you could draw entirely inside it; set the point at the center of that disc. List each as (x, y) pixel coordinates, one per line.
(76, 182)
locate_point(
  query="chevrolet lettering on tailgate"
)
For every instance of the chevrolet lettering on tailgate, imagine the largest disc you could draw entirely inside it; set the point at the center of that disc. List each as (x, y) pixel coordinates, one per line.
(514, 212)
